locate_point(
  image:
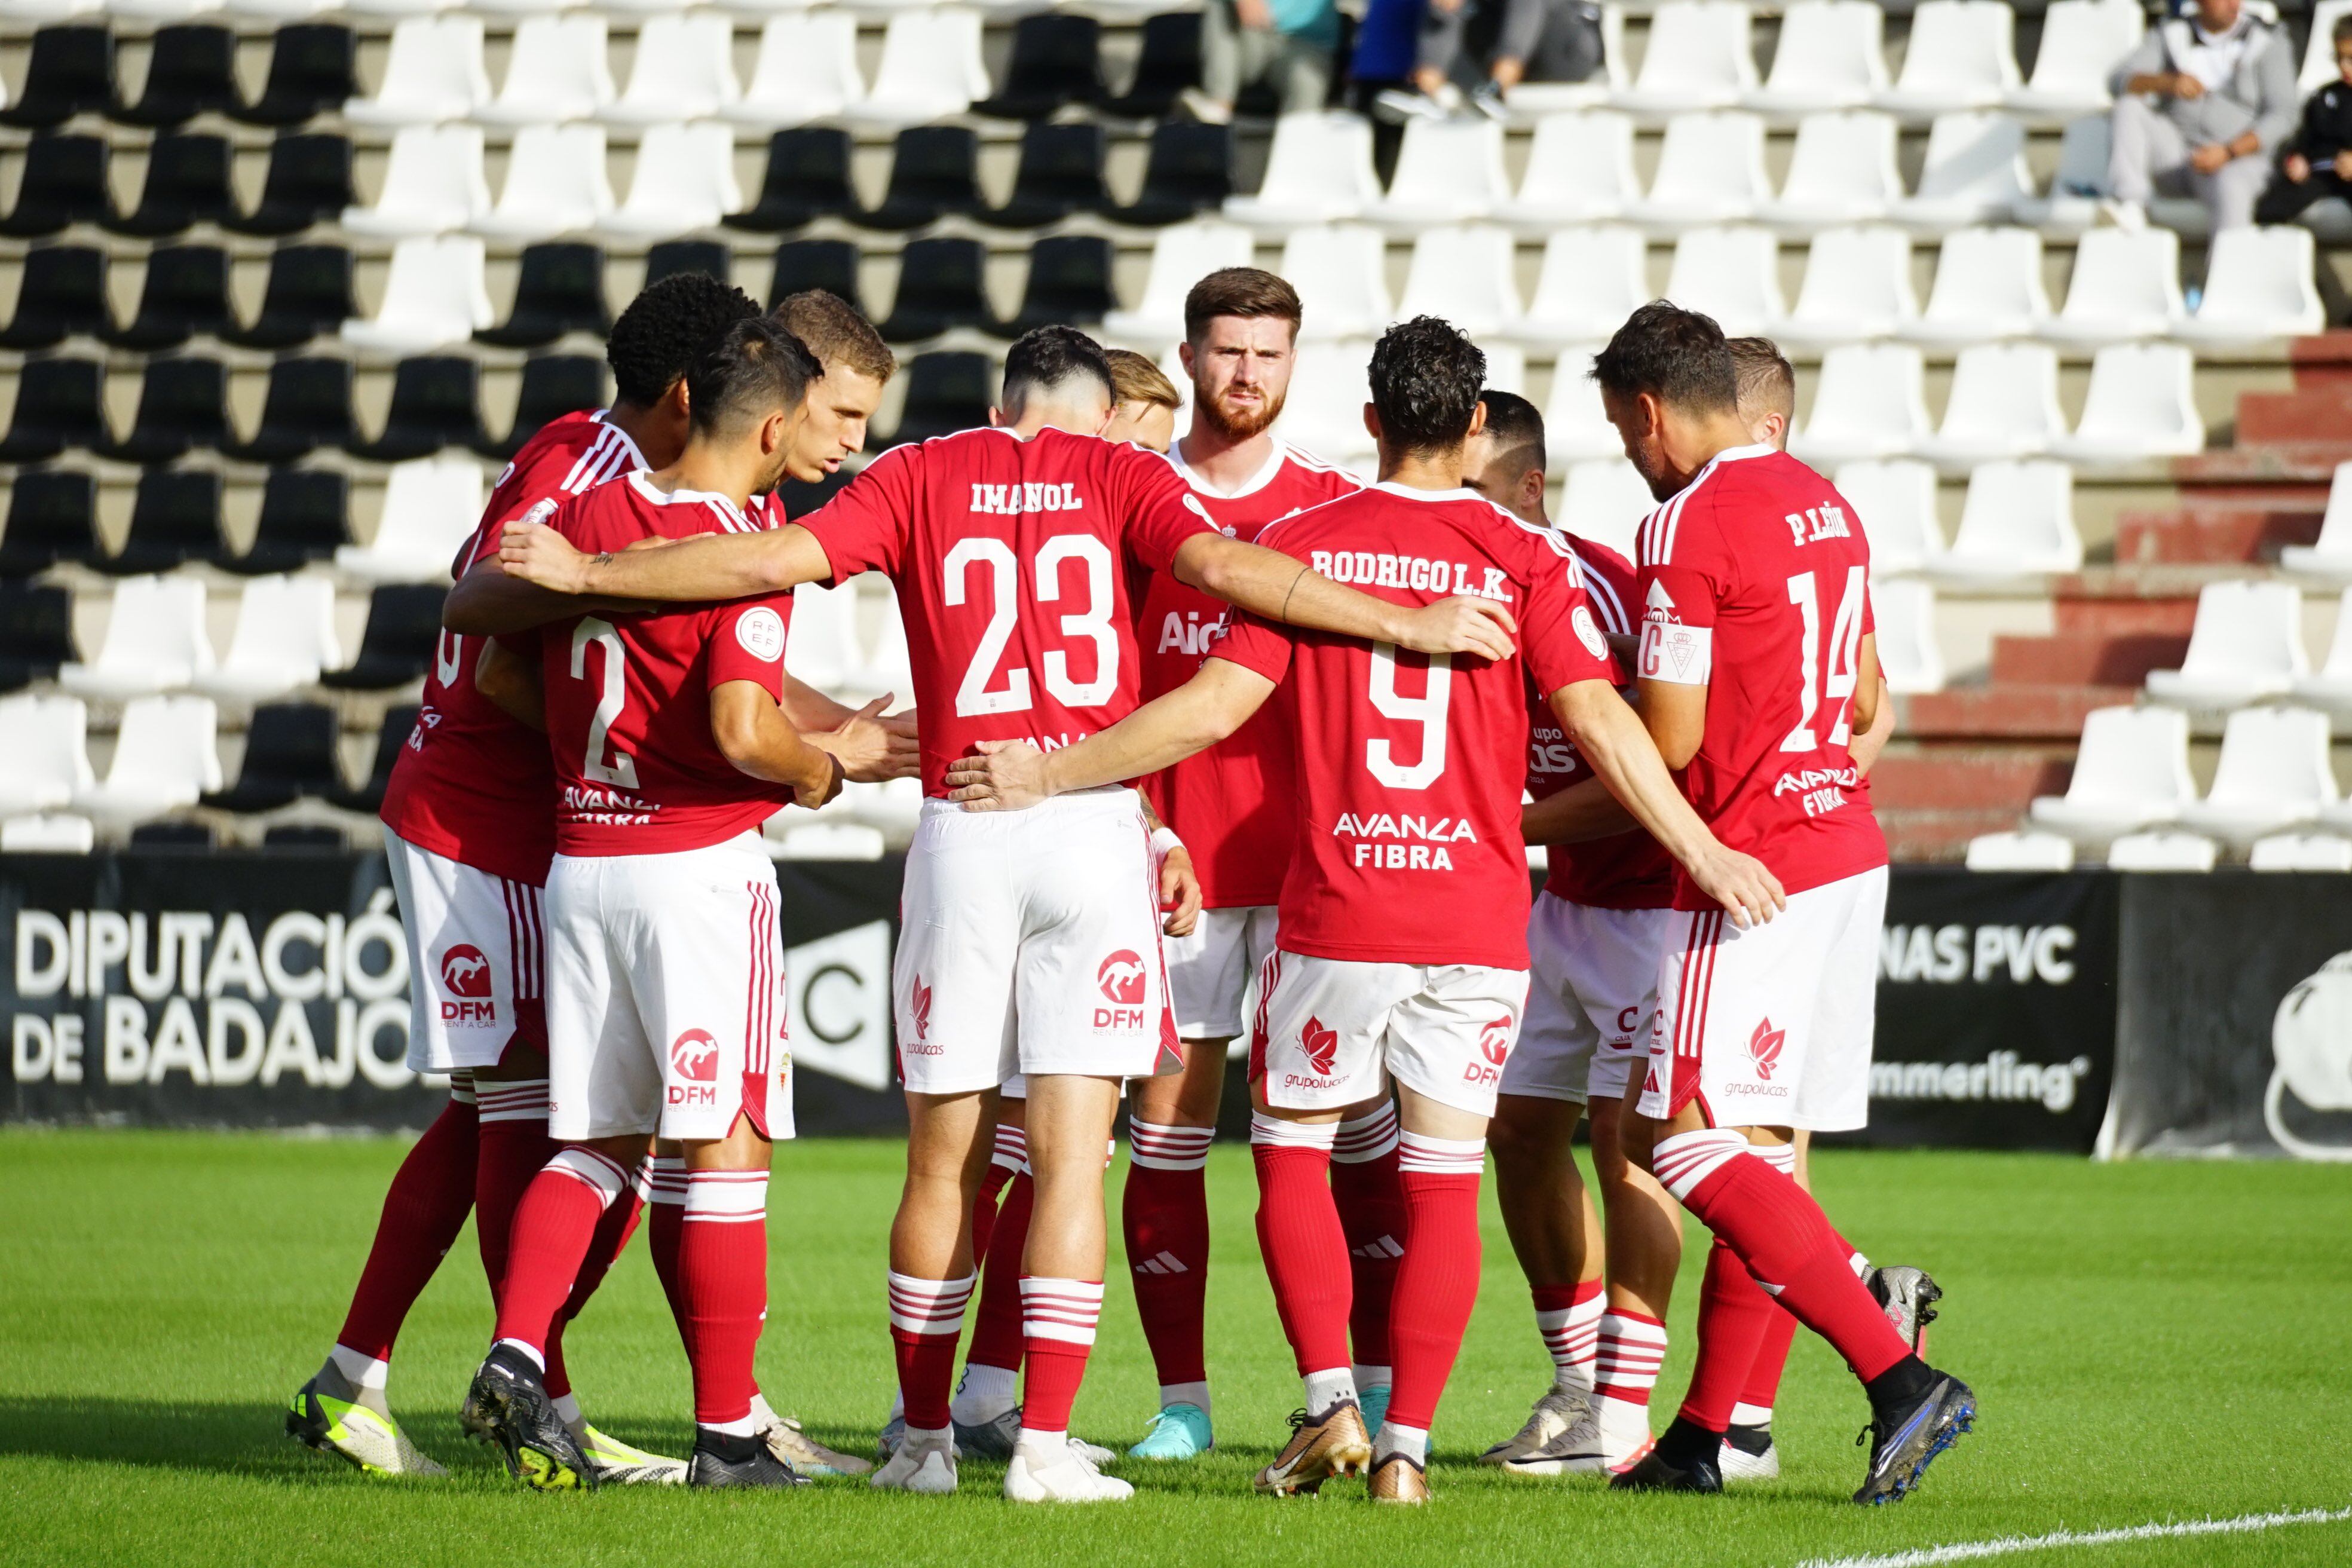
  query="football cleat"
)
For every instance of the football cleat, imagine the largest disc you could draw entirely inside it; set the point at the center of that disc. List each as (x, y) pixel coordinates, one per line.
(1336, 1445)
(1398, 1479)
(1652, 1473)
(354, 1432)
(792, 1446)
(893, 1433)
(1591, 1447)
(739, 1462)
(990, 1440)
(1070, 1476)
(507, 1405)
(1558, 1410)
(1374, 1404)
(919, 1464)
(1748, 1455)
(1908, 1297)
(1179, 1432)
(1906, 1440)
(623, 1465)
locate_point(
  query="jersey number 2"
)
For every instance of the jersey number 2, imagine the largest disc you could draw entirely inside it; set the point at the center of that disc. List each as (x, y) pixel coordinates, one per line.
(1829, 681)
(622, 771)
(1093, 622)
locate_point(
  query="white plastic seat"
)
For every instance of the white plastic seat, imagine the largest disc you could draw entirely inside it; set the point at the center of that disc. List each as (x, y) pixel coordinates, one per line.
(1467, 275)
(1340, 271)
(804, 839)
(55, 833)
(1895, 499)
(2018, 520)
(566, 77)
(1579, 170)
(2164, 850)
(1832, 55)
(433, 182)
(46, 760)
(1448, 171)
(1181, 255)
(930, 68)
(824, 645)
(1962, 54)
(642, 7)
(2082, 42)
(1605, 500)
(2125, 286)
(1857, 287)
(2142, 404)
(1329, 388)
(2131, 771)
(522, 8)
(435, 72)
(280, 10)
(2246, 644)
(1710, 171)
(1905, 611)
(2331, 557)
(806, 69)
(1987, 287)
(2331, 686)
(2078, 186)
(2259, 284)
(438, 293)
(555, 185)
(2319, 54)
(155, 641)
(765, 8)
(144, 10)
(394, 9)
(685, 69)
(56, 10)
(164, 759)
(2019, 852)
(891, 808)
(684, 180)
(1870, 401)
(1592, 279)
(1319, 170)
(2003, 404)
(285, 636)
(2272, 774)
(1575, 426)
(1732, 274)
(1975, 172)
(1700, 56)
(1507, 367)
(1841, 171)
(2301, 852)
(430, 506)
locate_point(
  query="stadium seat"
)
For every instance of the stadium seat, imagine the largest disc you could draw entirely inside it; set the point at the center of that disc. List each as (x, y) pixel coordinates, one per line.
(1181, 254)
(2082, 42)
(431, 506)
(2003, 404)
(1908, 652)
(59, 407)
(1974, 172)
(188, 183)
(669, 257)
(46, 760)
(307, 407)
(52, 833)
(568, 78)
(942, 284)
(191, 71)
(2246, 644)
(1830, 56)
(1575, 428)
(1710, 170)
(1325, 411)
(2301, 852)
(183, 408)
(2142, 404)
(184, 293)
(1857, 287)
(887, 665)
(1987, 287)
(1841, 171)
(804, 839)
(1319, 170)
(1060, 171)
(275, 10)
(437, 403)
(825, 645)
(154, 641)
(2131, 772)
(1870, 401)
(438, 293)
(285, 637)
(2319, 52)
(807, 178)
(1468, 275)
(63, 182)
(2017, 521)
(934, 171)
(1962, 54)
(684, 70)
(1189, 171)
(70, 71)
(2259, 285)
(2126, 285)
(1605, 500)
(2330, 558)
(308, 837)
(1895, 499)
(289, 752)
(2019, 852)
(175, 519)
(806, 69)
(61, 293)
(403, 624)
(309, 181)
(2330, 688)
(2274, 774)
(1592, 279)
(2072, 207)
(891, 809)
(1056, 62)
(1068, 282)
(52, 517)
(1507, 368)
(827, 264)
(392, 738)
(930, 68)
(1730, 273)
(555, 185)
(310, 73)
(1447, 170)
(945, 393)
(1168, 61)
(434, 182)
(305, 518)
(684, 180)
(553, 386)
(433, 73)
(308, 295)
(35, 633)
(1700, 56)
(1340, 271)
(1579, 169)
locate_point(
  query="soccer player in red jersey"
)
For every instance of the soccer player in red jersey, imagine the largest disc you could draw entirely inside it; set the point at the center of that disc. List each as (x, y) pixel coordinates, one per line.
(1403, 952)
(1758, 664)
(469, 818)
(1029, 945)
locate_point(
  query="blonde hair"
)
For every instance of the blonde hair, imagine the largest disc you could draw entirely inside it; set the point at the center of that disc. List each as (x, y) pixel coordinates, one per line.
(1134, 378)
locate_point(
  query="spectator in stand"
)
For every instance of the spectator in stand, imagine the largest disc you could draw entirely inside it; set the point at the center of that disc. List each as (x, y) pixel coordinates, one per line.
(2317, 159)
(1517, 40)
(1291, 43)
(2199, 107)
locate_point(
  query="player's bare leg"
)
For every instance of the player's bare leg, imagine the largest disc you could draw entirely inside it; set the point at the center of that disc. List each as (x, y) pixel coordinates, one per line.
(947, 1140)
(1645, 1252)
(1555, 1234)
(1306, 1254)
(986, 1412)
(1165, 1214)
(1371, 1211)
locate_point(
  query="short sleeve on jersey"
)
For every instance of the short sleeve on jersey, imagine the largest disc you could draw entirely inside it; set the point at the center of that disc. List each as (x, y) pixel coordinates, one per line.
(1681, 595)
(864, 529)
(1561, 642)
(1163, 511)
(747, 643)
(1256, 644)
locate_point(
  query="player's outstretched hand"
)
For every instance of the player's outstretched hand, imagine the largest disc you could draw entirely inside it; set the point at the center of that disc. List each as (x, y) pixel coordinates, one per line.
(1741, 885)
(905, 742)
(536, 553)
(1462, 624)
(1007, 775)
(870, 749)
(1180, 892)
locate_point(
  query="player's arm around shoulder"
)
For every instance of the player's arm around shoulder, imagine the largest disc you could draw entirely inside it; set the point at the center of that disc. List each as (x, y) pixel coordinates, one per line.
(711, 566)
(1282, 587)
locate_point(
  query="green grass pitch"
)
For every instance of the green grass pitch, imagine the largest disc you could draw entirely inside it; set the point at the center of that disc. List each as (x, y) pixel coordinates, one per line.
(2149, 1342)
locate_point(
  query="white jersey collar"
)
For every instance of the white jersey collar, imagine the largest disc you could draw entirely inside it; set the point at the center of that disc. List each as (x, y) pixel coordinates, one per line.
(637, 459)
(659, 497)
(1279, 454)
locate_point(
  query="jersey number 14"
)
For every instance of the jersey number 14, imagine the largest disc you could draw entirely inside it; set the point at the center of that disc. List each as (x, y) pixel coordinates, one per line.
(1831, 681)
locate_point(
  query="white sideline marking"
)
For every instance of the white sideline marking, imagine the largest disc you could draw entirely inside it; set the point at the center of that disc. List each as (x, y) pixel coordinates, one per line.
(1968, 1550)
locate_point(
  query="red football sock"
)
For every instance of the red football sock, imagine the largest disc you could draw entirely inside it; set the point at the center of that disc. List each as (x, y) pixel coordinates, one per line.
(423, 1210)
(926, 1316)
(722, 1260)
(1437, 1278)
(604, 1249)
(1763, 1384)
(665, 1198)
(514, 1149)
(1569, 1319)
(1734, 1314)
(1298, 1234)
(1165, 1212)
(996, 1328)
(1057, 1331)
(1372, 1214)
(1010, 1158)
(554, 1227)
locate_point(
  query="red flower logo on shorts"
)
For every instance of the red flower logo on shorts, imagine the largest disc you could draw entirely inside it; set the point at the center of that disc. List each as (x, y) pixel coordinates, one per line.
(694, 1056)
(1495, 1040)
(465, 971)
(1764, 1045)
(1321, 1046)
(1121, 978)
(922, 1008)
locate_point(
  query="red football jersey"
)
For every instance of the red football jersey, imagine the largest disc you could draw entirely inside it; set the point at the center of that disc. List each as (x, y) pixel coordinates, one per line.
(1018, 566)
(628, 697)
(1627, 870)
(472, 784)
(1408, 848)
(1755, 584)
(1231, 804)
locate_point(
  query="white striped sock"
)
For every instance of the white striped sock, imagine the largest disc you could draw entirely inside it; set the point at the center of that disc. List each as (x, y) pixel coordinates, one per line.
(1064, 1310)
(1158, 1146)
(1572, 1335)
(1781, 1157)
(1011, 1150)
(592, 1170)
(1284, 1135)
(665, 1179)
(512, 1100)
(1366, 1138)
(727, 1197)
(1441, 1156)
(1628, 1357)
(1684, 1161)
(929, 1306)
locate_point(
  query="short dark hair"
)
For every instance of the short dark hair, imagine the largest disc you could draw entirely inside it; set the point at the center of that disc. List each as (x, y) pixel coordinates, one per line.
(829, 327)
(2342, 30)
(664, 326)
(1766, 382)
(1677, 356)
(1046, 357)
(1427, 377)
(1515, 427)
(1248, 291)
(749, 370)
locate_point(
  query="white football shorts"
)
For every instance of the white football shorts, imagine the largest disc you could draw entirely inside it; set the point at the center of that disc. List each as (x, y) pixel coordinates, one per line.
(666, 997)
(1593, 999)
(477, 957)
(1330, 1032)
(1771, 1027)
(1029, 943)
(1211, 972)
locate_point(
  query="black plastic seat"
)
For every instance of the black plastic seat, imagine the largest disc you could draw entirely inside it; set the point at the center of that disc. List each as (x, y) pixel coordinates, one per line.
(305, 516)
(306, 837)
(183, 408)
(178, 836)
(436, 402)
(187, 183)
(553, 386)
(560, 290)
(64, 182)
(1168, 62)
(1060, 173)
(63, 293)
(404, 623)
(60, 404)
(941, 284)
(313, 69)
(71, 72)
(945, 393)
(289, 752)
(52, 517)
(307, 406)
(671, 257)
(1190, 170)
(807, 177)
(176, 518)
(827, 264)
(1069, 282)
(934, 171)
(309, 295)
(309, 181)
(35, 633)
(399, 722)
(1056, 61)
(191, 71)
(801, 497)
(185, 292)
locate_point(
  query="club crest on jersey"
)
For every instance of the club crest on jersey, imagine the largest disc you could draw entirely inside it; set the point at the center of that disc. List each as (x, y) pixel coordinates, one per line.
(1587, 632)
(1121, 979)
(465, 977)
(1012, 501)
(694, 1066)
(922, 1010)
(761, 631)
(1764, 1046)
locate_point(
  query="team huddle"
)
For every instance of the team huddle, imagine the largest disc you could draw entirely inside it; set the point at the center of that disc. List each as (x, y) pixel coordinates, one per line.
(1218, 744)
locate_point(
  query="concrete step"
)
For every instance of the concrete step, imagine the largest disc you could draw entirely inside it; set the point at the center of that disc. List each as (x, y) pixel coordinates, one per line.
(2085, 658)
(1915, 777)
(2006, 712)
(1917, 836)
(2215, 531)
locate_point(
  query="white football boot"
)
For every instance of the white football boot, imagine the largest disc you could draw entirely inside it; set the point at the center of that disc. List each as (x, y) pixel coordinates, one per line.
(1068, 1476)
(923, 1462)
(1555, 1412)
